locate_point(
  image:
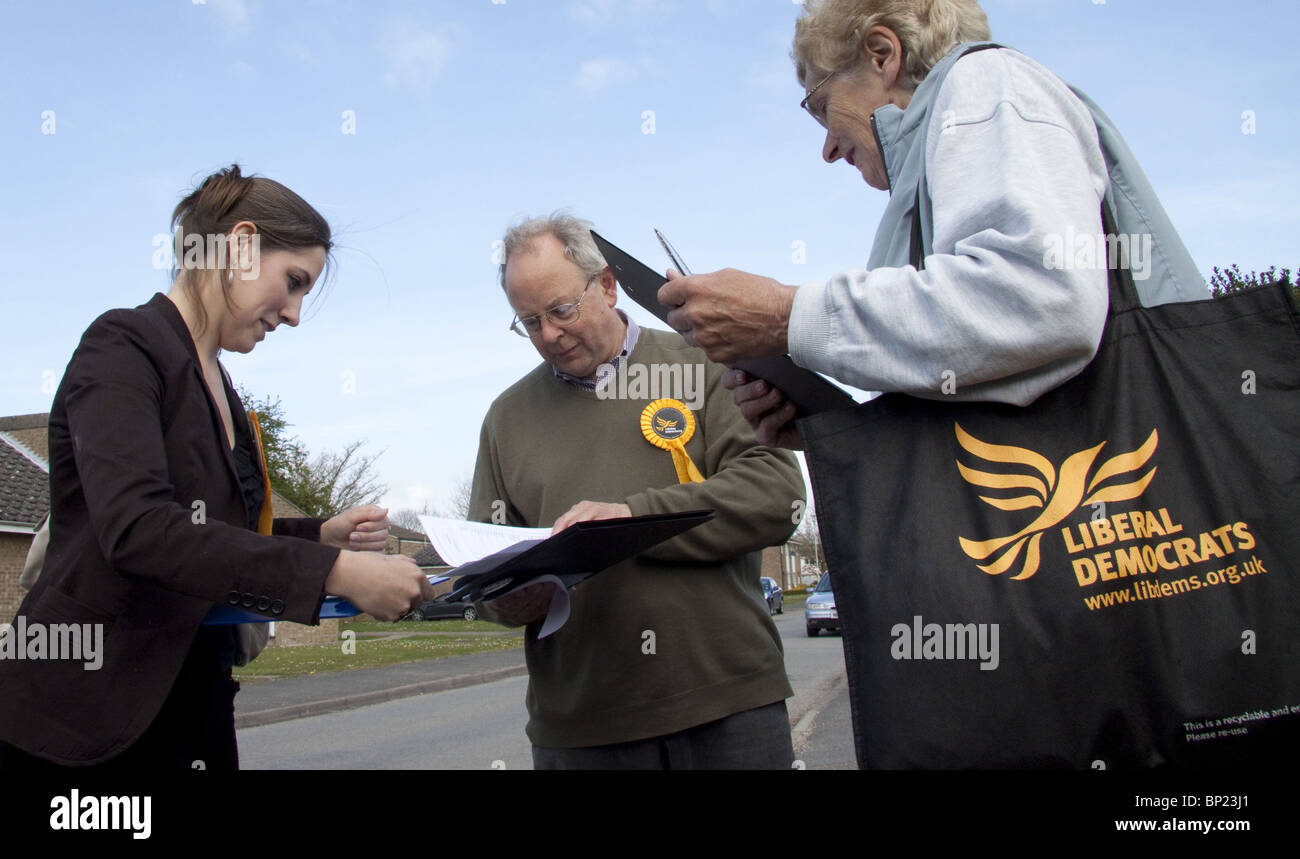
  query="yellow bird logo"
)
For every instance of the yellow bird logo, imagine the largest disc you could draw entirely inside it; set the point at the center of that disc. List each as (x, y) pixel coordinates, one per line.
(663, 425)
(1058, 494)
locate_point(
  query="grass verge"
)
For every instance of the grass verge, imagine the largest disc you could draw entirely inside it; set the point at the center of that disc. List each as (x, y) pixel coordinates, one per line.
(403, 626)
(319, 658)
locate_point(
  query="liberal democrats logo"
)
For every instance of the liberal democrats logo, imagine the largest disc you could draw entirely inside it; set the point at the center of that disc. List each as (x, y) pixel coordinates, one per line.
(666, 428)
(1057, 492)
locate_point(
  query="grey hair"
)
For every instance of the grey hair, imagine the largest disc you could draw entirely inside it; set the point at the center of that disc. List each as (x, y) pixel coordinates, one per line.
(829, 37)
(573, 233)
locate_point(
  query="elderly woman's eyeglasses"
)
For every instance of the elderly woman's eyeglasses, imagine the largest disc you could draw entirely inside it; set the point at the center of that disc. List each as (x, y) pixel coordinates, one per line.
(560, 315)
(817, 113)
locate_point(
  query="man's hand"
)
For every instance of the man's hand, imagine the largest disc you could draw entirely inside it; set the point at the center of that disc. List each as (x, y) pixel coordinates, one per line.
(521, 607)
(730, 314)
(587, 511)
(769, 413)
(386, 586)
(361, 529)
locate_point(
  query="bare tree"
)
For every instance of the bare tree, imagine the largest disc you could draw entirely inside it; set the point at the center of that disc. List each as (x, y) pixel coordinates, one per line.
(409, 518)
(455, 507)
(458, 502)
(324, 485)
(329, 483)
(808, 540)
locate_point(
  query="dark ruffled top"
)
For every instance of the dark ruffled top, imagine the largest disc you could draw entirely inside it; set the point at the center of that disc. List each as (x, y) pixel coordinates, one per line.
(249, 467)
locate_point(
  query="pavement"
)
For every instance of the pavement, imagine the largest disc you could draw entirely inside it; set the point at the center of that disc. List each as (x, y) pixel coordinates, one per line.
(269, 700)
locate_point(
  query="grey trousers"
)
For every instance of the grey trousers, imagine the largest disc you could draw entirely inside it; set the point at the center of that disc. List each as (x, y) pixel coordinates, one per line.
(749, 740)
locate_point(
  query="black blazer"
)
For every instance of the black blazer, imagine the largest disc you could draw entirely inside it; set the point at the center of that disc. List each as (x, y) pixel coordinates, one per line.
(148, 531)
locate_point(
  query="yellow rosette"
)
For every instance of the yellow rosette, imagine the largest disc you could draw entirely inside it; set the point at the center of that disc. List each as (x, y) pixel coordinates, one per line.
(668, 424)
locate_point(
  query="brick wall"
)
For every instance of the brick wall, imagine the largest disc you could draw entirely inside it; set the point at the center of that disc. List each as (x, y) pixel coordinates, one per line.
(288, 634)
(283, 508)
(29, 430)
(409, 548)
(36, 439)
(772, 565)
(13, 551)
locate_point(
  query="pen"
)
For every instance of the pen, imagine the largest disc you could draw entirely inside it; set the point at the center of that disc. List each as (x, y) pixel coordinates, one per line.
(672, 254)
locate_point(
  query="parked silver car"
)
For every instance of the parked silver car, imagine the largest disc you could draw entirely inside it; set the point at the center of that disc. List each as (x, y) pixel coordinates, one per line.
(819, 611)
(774, 596)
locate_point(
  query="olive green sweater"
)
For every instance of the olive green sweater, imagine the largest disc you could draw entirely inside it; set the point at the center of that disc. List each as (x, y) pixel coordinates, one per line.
(680, 635)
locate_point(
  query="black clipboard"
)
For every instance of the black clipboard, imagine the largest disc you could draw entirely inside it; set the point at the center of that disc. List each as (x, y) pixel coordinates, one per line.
(809, 392)
(575, 554)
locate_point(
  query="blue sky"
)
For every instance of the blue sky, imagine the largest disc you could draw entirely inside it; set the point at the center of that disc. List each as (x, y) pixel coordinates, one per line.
(471, 114)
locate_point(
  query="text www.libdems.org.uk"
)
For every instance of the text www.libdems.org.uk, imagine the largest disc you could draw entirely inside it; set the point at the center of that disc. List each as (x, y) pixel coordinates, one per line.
(1179, 825)
(1143, 589)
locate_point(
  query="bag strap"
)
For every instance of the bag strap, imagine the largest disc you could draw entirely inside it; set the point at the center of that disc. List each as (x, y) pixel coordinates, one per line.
(916, 255)
(915, 251)
(1119, 280)
(1123, 292)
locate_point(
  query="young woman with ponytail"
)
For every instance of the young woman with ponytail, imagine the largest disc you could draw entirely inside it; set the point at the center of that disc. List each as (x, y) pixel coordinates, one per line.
(157, 492)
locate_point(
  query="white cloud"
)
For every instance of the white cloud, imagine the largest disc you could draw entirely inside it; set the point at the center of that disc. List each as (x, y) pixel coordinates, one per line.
(415, 56)
(600, 73)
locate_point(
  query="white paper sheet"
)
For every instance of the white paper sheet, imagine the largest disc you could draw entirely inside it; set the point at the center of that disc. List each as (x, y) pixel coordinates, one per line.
(459, 542)
(462, 543)
(558, 612)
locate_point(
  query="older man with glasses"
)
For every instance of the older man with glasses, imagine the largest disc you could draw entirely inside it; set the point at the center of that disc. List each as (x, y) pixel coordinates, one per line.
(669, 660)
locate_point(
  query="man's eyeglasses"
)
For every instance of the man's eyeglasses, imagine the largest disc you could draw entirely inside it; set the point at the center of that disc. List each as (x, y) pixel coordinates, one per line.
(560, 315)
(817, 113)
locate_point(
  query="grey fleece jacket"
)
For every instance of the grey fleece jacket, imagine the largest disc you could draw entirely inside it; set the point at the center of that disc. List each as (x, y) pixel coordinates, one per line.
(1011, 168)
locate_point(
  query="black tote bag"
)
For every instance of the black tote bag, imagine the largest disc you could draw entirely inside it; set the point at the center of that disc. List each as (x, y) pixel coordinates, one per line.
(1107, 578)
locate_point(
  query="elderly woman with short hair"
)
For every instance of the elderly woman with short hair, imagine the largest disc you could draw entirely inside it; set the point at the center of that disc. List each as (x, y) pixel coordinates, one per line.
(992, 164)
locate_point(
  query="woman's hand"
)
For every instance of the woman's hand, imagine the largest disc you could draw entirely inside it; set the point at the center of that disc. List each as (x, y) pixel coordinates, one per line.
(386, 586)
(730, 314)
(361, 529)
(769, 413)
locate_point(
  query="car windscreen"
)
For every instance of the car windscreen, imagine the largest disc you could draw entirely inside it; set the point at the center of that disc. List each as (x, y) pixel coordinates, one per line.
(824, 586)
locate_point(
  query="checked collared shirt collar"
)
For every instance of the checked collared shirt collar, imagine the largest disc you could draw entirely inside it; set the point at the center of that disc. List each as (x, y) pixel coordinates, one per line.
(629, 343)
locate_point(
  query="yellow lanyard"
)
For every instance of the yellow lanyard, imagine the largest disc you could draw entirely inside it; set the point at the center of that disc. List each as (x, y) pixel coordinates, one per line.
(265, 517)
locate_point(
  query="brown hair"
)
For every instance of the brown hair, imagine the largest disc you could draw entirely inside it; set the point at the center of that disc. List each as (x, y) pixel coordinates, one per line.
(284, 221)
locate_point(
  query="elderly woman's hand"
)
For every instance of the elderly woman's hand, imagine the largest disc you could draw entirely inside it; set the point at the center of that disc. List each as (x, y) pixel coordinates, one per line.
(361, 529)
(730, 314)
(769, 413)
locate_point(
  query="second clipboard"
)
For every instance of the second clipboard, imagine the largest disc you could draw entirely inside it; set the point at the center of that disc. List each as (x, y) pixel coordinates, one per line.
(809, 392)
